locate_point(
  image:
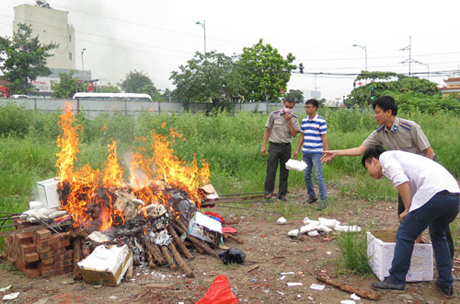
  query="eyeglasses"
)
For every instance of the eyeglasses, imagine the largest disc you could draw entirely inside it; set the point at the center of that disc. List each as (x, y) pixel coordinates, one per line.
(307, 107)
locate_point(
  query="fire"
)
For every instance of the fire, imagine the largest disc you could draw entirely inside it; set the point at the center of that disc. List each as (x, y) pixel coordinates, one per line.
(89, 195)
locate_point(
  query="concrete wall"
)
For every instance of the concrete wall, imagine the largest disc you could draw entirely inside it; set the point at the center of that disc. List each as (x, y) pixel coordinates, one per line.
(93, 108)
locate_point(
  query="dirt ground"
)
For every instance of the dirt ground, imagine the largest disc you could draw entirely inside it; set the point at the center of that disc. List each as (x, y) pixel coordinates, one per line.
(270, 252)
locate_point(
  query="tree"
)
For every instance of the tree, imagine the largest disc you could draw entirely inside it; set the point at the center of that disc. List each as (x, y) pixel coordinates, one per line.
(137, 82)
(264, 72)
(108, 89)
(297, 94)
(68, 86)
(23, 58)
(212, 76)
(388, 83)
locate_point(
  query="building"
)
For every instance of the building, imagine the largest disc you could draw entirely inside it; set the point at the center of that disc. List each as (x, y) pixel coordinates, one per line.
(50, 25)
(452, 86)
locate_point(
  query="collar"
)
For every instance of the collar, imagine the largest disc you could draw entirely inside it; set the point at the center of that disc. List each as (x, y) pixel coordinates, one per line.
(316, 116)
(395, 126)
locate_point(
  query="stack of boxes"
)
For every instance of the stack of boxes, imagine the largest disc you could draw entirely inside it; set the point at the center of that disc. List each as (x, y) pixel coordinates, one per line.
(40, 253)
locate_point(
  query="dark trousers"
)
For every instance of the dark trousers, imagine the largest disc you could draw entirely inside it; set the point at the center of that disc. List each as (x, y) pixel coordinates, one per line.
(277, 153)
(450, 241)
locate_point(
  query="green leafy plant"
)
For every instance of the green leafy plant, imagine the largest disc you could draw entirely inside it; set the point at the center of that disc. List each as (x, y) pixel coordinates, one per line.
(353, 247)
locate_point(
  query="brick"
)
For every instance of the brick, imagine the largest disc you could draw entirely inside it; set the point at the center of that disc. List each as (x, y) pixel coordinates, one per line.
(66, 256)
(48, 273)
(31, 273)
(23, 238)
(52, 253)
(42, 234)
(45, 267)
(49, 241)
(59, 271)
(45, 249)
(61, 244)
(31, 257)
(63, 264)
(28, 248)
(21, 223)
(48, 261)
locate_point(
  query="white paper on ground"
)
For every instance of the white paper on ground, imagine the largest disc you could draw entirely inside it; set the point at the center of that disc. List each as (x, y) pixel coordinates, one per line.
(317, 286)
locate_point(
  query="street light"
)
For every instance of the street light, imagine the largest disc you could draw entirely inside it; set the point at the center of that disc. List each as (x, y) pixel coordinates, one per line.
(365, 54)
(82, 62)
(203, 25)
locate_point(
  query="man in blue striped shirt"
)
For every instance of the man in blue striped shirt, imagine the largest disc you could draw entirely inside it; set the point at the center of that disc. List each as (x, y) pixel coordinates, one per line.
(313, 141)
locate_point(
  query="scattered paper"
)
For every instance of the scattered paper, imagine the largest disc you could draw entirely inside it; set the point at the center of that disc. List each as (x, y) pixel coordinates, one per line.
(293, 284)
(347, 302)
(294, 232)
(11, 296)
(282, 278)
(281, 221)
(354, 297)
(286, 273)
(5, 288)
(317, 286)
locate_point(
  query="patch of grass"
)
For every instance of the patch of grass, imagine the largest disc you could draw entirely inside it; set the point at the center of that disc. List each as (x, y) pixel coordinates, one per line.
(353, 247)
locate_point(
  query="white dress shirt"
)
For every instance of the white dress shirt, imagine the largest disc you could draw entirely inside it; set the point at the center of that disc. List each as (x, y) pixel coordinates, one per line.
(425, 176)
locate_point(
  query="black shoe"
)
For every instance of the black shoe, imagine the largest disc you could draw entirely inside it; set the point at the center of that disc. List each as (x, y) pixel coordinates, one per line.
(447, 291)
(283, 198)
(311, 200)
(387, 285)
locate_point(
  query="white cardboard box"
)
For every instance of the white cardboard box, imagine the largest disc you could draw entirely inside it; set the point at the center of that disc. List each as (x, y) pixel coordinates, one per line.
(380, 251)
(205, 228)
(106, 266)
(47, 191)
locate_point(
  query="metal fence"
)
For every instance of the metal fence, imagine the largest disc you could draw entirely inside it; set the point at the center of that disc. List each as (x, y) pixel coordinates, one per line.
(93, 108)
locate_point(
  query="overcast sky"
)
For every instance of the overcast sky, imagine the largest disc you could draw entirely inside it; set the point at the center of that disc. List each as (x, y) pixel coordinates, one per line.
(156, 37)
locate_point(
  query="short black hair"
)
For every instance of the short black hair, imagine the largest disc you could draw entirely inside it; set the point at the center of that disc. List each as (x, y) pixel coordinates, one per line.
(313, 102)
(371, 152)
(289, 99)
(386, 103)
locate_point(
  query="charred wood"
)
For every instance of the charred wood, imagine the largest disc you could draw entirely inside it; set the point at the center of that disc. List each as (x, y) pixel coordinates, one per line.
(197, 242)
(179, 243)
(180, 261)
(168, 258)
(155, 251)
(77, 257)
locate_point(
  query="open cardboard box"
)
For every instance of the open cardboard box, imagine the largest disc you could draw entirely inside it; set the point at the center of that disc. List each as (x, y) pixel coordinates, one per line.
(380, 251)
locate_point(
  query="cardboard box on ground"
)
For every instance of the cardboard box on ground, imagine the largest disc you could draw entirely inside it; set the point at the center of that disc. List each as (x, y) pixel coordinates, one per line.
(106, 266)
(380, 251)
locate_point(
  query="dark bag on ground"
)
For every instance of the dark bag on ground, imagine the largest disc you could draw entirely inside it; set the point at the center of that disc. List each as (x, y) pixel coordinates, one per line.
(232, 255)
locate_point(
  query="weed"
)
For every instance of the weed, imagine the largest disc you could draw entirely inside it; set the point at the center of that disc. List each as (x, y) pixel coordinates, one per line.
(353, 247)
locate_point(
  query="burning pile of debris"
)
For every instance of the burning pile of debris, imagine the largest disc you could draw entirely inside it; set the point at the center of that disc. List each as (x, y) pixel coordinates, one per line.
(154, 218)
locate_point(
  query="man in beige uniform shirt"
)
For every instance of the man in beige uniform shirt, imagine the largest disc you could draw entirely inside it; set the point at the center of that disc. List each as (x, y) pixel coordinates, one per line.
(281, 127)
(395, 134)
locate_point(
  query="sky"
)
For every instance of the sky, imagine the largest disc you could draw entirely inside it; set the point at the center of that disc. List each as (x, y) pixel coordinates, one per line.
(156, 37)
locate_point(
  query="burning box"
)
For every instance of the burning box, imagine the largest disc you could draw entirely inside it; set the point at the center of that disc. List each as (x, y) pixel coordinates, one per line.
(380, 251)
(205, 228)
(106, 266)
(47, 191)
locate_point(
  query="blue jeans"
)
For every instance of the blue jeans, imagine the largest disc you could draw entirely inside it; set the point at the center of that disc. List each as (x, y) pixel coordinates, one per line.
(313, 161)
(437, 214)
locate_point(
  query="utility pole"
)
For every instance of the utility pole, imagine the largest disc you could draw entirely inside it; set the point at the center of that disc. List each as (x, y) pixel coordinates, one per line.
(409, 48)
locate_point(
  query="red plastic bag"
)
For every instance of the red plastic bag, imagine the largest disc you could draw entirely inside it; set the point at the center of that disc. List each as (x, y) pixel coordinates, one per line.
(219, 293)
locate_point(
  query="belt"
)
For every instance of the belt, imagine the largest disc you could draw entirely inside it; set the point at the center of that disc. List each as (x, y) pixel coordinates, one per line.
(445, 192)
(279, 144)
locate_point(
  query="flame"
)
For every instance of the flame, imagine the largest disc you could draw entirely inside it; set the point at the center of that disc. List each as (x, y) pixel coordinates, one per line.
(89, 195)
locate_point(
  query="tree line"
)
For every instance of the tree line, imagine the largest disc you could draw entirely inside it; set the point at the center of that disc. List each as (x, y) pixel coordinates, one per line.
(259, 74)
